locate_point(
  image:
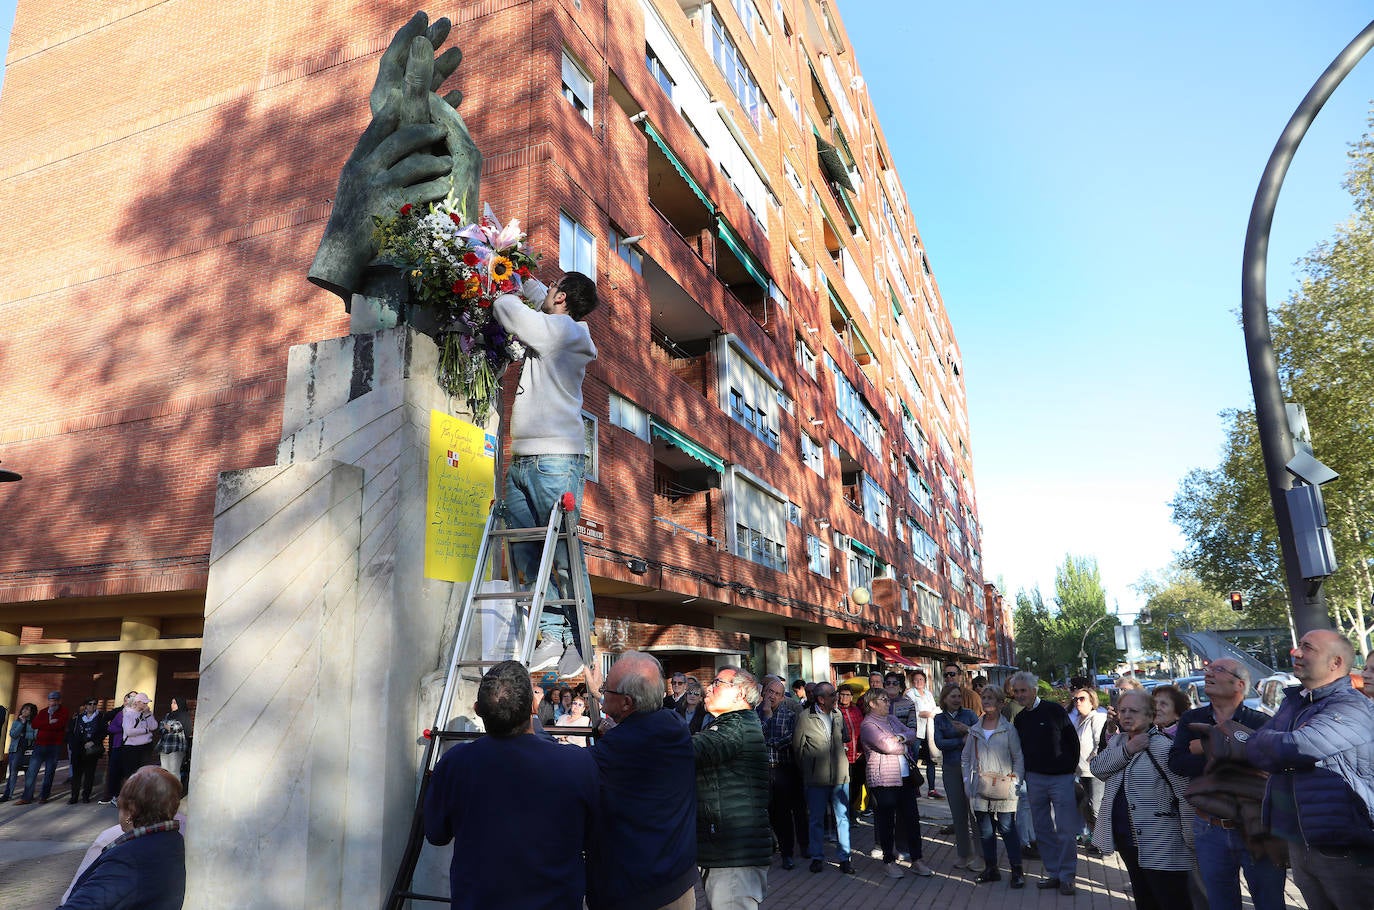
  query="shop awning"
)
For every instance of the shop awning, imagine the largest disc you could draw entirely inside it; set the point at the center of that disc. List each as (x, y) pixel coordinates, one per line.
(688, 447)
(890, 654)
(678, 165)
(736, 244)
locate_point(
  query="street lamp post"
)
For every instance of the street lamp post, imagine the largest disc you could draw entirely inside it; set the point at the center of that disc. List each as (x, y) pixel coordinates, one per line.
(1083, 645)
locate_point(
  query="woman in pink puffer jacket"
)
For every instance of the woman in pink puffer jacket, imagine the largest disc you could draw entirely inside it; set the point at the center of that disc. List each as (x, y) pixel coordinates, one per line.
(893, 782)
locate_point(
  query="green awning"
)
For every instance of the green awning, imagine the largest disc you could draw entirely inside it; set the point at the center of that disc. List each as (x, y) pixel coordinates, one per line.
(831, 163)
(688, 447)
(835, 300)
(896, 306)
(860, 548)
(736, 244)
(678, 165)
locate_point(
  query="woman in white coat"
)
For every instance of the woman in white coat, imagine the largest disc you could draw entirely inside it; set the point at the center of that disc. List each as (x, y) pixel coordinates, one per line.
(993, 766)
(1145, 816)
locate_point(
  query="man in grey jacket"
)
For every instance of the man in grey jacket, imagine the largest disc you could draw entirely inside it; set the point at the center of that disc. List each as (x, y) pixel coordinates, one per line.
(548, 449)
(818, 744)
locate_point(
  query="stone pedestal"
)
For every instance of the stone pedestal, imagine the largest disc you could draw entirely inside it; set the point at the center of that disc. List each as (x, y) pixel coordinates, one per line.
(321, 634)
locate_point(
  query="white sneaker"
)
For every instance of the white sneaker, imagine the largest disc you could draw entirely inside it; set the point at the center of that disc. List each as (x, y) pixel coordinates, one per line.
(921, 869)
(875, 853)
(571, 665)
(546, 654)
(892, 870)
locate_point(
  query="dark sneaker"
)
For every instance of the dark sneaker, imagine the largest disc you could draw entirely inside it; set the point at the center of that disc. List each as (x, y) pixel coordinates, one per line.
(1047, 884)
(1066, 889)
(1017, 879)
(817, 865)
(788, 863)
(847, 867)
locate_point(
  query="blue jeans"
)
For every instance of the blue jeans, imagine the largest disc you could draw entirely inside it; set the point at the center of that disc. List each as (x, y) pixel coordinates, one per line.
(534, 484)
(990, 826)
(1221, 856)
(42, 756)
(15, 760)
(837, 797)
(1056, 822)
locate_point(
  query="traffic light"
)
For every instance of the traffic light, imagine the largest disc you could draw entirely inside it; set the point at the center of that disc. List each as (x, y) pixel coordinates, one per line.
(1237, 602)
(1166, 634)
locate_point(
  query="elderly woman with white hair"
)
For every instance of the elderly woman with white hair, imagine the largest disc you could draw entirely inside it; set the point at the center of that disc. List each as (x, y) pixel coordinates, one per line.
(1144, 815)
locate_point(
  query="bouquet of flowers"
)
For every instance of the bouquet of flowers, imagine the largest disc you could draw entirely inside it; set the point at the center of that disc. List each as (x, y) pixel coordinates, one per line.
(456, 271)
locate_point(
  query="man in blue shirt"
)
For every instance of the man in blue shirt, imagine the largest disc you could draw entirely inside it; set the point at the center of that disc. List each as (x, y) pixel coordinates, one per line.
(489, 794)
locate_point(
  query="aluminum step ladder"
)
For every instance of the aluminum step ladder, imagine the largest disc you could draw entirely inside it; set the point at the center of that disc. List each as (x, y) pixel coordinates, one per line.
(465, 663)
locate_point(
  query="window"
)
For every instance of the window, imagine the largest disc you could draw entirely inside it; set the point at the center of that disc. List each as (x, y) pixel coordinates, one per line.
(930, 606)
(736, 72)
(577, 87)
(794, 514)
(789, 100)
(875, 504)
(628, 415)
(818, 555)
(753, 397)
(956, 536)
(794, 179)
(956, 577)
(864, 566)
(660, 74)
(760, 523)
(855, 411)
(799, 264)
(627, 251)
(923, 546)
(576, 247)
(806, 358)
(590, 447)
(812, 455)
(753, 22)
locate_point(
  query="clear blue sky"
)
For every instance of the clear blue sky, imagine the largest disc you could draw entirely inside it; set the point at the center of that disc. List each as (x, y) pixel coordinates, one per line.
(1082, 175)
(6, 25)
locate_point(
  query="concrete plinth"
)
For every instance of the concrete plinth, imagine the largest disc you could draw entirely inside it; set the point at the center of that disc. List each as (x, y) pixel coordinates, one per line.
(320, 631)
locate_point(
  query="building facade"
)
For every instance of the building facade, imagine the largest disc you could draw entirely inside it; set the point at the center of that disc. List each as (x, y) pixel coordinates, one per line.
(782, 472)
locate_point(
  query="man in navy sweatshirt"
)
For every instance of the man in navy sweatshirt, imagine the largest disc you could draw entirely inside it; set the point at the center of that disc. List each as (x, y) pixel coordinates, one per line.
(1049, 743)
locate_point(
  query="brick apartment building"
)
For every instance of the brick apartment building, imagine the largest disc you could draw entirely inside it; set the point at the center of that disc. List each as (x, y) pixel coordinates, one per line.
(778, 415)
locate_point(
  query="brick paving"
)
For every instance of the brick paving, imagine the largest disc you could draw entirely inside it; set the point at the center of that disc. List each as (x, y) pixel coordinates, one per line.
(42, 844)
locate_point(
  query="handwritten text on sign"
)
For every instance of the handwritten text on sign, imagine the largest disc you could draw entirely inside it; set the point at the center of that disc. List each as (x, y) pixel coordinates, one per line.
(462, 482)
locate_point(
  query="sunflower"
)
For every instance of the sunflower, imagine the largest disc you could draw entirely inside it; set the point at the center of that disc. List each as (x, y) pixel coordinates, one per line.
(501, 268)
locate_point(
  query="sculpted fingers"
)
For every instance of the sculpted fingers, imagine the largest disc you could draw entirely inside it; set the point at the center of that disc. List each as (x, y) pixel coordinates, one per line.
(391, 68)
(406, 141)
(444, 66)
(414, 103)
(414, 169)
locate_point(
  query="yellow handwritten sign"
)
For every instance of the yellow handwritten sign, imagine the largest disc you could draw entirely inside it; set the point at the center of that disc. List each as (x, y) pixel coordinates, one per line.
(462, 482)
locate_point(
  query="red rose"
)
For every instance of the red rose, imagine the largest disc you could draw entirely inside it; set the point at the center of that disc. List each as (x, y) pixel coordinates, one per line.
(523, 271)
(405, 209)
(507, 285)
(456, 219)
(470, 258)
(457, 287)
(484, 303)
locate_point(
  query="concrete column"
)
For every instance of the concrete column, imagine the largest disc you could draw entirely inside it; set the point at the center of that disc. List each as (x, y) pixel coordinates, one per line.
(137, 670)
(775, 659)
(9, 679)
(820, 663)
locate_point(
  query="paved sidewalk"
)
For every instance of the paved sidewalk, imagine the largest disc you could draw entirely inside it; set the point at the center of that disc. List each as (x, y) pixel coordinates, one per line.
(42, 844)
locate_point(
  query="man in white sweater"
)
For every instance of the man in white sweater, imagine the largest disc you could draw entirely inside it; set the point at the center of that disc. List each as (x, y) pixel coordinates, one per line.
(547, 445)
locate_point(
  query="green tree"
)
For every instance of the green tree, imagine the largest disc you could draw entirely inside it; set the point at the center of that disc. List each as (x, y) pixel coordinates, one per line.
(1324, 342)
(1176, 599)
(1082, 621)
(1031, 622)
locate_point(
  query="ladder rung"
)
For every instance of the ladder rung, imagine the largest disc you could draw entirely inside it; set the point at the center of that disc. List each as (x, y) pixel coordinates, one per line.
(478, 663)
(413, 896)
(523, 534)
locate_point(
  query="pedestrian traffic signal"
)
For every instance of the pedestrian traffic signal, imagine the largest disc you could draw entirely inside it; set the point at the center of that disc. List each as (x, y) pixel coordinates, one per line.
(1237, 603)
(1166, 634)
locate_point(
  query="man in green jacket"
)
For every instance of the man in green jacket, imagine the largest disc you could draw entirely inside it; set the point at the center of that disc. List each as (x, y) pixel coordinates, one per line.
(818, 743)
(734, 842)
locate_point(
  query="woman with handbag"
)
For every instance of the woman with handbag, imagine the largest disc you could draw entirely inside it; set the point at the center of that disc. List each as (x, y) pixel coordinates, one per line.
(993, 766)
(952, 726)
(1144, 814)
(893, 782)
(22, 737)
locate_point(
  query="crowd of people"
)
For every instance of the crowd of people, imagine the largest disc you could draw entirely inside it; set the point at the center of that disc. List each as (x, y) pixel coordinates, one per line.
(1190, 799)
(129, 736)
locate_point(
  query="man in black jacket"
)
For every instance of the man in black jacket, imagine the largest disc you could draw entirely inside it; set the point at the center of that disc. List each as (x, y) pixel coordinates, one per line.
(734, 843)
(1049, 743)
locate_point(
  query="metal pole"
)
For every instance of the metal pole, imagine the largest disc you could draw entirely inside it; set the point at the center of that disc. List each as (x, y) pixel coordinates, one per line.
(1306, 601)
